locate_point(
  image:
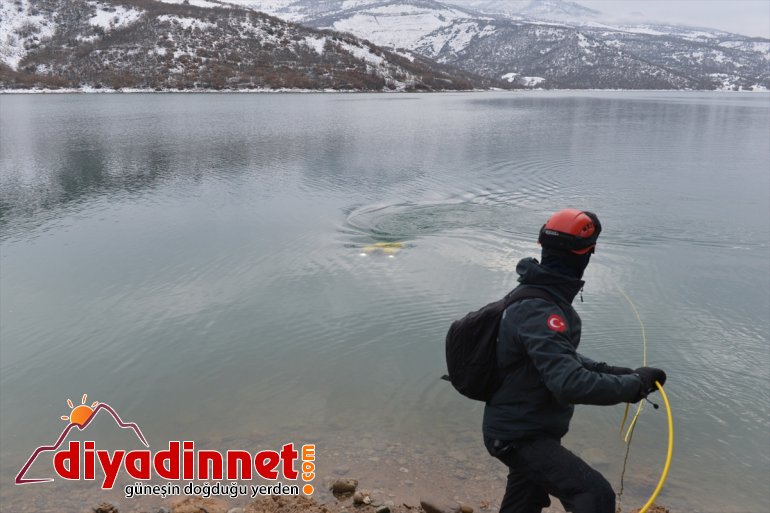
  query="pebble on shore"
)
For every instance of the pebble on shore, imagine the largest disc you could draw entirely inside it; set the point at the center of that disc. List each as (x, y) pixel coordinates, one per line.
(105, 507)
(344, 486)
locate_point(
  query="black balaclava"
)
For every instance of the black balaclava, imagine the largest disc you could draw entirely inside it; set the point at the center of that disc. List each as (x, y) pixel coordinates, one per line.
(565, 262)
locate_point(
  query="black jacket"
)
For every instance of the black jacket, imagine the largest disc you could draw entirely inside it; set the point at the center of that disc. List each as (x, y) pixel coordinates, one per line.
(544, 376)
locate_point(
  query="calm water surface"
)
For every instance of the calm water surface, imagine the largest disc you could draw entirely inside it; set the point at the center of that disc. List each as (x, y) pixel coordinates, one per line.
(196, 262)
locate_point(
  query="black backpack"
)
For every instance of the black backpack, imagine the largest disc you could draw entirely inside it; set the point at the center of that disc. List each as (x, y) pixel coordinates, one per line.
(471, 346)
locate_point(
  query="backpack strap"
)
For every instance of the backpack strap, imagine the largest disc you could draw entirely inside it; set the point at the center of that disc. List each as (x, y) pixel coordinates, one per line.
(518, 294)
(529, 292)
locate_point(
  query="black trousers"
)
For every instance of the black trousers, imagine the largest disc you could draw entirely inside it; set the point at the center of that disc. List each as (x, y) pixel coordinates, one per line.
(541, 466)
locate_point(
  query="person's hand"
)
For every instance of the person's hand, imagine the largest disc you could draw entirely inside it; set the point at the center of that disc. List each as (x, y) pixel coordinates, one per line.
(649, 375)
(618, 371)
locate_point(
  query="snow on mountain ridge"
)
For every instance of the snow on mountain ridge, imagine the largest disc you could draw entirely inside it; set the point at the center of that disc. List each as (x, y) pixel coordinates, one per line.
(402, 24)
(456, 37)
(493, 45)
(558, 10)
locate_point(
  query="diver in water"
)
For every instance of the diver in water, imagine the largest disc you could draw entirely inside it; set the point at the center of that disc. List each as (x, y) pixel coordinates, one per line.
(544, 377)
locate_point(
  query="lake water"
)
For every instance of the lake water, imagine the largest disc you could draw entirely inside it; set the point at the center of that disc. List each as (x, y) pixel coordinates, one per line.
(200, 263)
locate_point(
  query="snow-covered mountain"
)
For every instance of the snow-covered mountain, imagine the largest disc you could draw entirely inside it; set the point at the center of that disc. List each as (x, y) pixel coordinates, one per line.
(606, 57)
(304, 10)
(562, 43)
(432, 45)
(198, 44)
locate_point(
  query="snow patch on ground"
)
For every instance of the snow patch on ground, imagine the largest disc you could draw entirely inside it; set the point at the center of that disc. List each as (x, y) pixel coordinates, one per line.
(750, 46)
(697, 34)
(525, 81)
(113, 17)
(365, 54)
(87, 39)
(196, 3)
(257, 30)
(267, 6)
(393, 32)
(407, 56)
(352, 4)
(727, 82)
(186, 23)
(287, 10)
(657, 31)
(20, 29)
(532, 81)
(316, 43)
(586, 44)
(456, 37)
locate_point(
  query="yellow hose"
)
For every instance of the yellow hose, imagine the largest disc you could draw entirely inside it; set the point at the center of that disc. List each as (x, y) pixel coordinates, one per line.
(631, 426)
(625, 417)
(669, 455)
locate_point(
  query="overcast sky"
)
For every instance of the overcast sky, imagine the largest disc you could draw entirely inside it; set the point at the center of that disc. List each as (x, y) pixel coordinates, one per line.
(748, 17)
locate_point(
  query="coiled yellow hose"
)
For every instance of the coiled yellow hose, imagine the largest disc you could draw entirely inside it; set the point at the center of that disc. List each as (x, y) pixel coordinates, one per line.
(669, 454)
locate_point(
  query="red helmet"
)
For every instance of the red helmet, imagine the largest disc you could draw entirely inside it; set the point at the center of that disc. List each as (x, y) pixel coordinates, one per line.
(571, 230)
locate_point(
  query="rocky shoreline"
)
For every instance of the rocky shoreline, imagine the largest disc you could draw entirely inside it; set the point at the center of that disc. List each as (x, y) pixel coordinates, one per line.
(347, 497)
(362, 474)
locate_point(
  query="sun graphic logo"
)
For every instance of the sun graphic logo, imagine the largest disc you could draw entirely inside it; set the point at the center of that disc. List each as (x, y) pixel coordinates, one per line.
(80, 415)
(178, 461)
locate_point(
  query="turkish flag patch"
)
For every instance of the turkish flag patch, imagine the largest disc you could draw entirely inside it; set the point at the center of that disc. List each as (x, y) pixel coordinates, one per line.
(556, 323)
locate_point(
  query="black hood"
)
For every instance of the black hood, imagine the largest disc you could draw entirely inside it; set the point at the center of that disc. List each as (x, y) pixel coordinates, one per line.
(531, 272)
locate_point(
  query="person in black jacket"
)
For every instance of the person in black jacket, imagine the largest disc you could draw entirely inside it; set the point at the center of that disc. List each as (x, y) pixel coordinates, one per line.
(544, 376)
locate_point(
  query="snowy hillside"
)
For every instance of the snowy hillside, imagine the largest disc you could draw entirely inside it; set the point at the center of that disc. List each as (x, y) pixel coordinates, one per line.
(176, 45)
(580, 51)
(553, 10)
(401, 24)
(433, 45)
(21, 27)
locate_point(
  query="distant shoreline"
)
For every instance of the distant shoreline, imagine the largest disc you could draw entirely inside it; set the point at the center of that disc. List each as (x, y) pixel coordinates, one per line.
(221, 91)
(339, 91)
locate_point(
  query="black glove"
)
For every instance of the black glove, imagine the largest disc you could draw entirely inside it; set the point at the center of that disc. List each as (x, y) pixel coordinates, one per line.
(649, 375)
